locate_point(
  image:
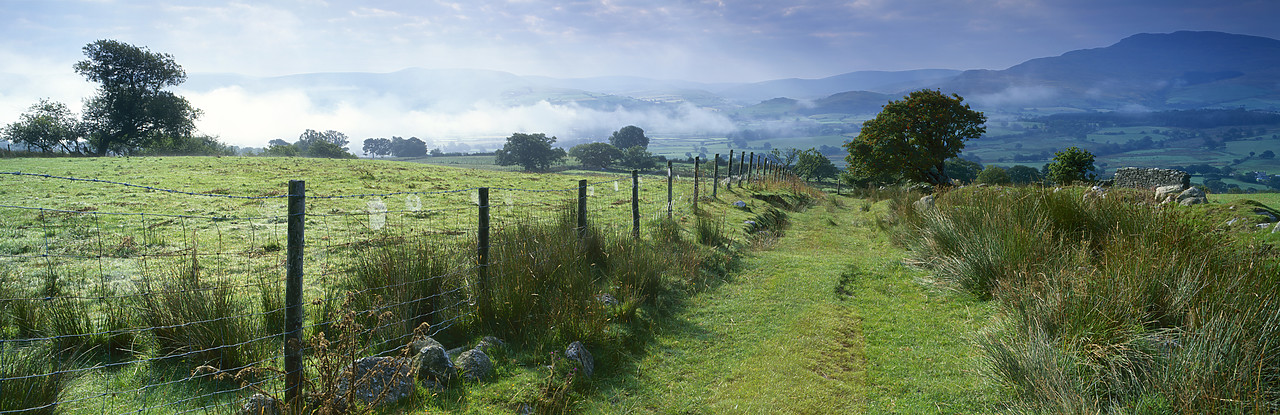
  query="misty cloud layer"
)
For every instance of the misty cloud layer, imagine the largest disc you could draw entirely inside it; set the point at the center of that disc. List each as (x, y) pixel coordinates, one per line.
(250, 119)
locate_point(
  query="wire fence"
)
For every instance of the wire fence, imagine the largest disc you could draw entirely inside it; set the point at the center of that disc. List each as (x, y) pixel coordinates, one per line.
(153, 300)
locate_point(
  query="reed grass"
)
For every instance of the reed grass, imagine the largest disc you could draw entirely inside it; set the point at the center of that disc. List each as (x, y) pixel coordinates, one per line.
(1109, 303)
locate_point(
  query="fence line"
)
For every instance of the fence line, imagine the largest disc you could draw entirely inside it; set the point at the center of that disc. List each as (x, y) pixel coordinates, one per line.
(99, 291)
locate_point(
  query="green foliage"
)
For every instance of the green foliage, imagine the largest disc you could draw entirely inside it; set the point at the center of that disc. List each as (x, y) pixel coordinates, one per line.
(48, 126)
(994, 175)
(200, 322)
(1024, 175)
(329, 136)
(533, 152)
(629, 136)
(1071, 166)
(637, 158)
(812, 165)
(193, 145)
(910, 138)
(312, 144)
(378, 147)
(132, 110)
(595, 155)
(1108, 304)
(410, 147)
(964, 171)
(34, 378)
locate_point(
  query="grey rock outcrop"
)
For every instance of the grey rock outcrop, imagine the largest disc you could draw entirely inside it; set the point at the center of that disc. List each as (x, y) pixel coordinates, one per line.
(474, 364)
(431, 361)
(378, 380)
(579, 353)
(490, 344)
(1192, 196)
(925, 203)
(1139, 178)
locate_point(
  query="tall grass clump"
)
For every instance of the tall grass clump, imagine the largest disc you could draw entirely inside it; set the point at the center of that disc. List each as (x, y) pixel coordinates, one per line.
(415, 283)
(207, 324)
(32, 378)
(1109, 303)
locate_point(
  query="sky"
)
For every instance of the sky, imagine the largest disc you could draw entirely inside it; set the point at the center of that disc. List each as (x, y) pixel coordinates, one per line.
(697, 40)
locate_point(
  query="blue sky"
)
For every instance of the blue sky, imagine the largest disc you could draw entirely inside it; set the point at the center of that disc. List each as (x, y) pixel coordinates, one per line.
(700, 40)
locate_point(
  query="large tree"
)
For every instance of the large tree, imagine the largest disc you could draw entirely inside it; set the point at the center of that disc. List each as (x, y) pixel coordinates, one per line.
(595, 155)
(48, 126)
(132, 110)
(531, 151)
(629, 136)
(913, 137)
(411, 147)
(377, 146)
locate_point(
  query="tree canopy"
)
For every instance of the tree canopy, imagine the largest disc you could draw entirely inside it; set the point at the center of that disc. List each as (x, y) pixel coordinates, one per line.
(637, 158)
(531, 151)
(410, 147)
(1072, 165)
(1024, 174)
(377, 146)
(48, 126)
(912, 138)
(629, 136)
(131, 109)
(994, 175)
(595, 155)
(812, 165)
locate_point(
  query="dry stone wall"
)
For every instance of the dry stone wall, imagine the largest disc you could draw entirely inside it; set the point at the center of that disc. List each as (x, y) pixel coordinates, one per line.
(1149, 179)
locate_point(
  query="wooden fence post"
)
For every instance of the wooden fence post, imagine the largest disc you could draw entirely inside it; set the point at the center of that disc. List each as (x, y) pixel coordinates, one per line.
(697, 178)
(296, 241)
(482, 259)
(635, 204)
(715, 178)
(582, 207)
(670, 178)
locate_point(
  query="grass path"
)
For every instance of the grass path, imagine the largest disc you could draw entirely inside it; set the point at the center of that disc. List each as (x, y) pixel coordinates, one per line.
(779, 338)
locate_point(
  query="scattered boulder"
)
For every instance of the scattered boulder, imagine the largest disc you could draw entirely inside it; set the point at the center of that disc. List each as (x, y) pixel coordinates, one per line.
(1192, 196)
(259, 404)
(925, 203)
(1167, 193)
(489, 344)
(378, 380)
(417, 345)
(579, 353)
(740, 204)
(1094, 193)
(607, 299)
(474, 364)
(432, 362)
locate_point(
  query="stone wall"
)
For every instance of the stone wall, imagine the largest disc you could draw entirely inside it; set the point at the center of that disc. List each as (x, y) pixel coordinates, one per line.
(1150, 178)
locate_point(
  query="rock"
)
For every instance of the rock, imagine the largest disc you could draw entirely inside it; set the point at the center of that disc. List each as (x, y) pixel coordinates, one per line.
(1164, 193)
(1192, 196)
(925, 203)
(1277, 228)
(432, 363)
(579, 353)
(1264, 213)
(1093, 193)
(474, 364)
(378, 380)
(416, 346)
(489, 344)
(740, 204)
(607, 299)
(1150, 178)
(259, 404)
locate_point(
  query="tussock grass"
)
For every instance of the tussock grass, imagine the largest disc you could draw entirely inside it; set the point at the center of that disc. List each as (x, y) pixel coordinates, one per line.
(1109, 304)
(35, 378)
(204, 323)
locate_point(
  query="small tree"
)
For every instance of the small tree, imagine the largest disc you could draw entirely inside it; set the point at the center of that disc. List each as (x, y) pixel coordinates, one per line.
(965, 171)
(911, 138)
(531, 151)
(1072, 165)
(629, 136)
(994, 175)
(48, 126)
(595, 155)
(812, 165)
(377, 146)
(132, 109)
(1267, 155)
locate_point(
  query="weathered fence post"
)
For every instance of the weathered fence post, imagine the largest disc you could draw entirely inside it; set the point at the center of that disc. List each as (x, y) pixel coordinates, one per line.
(742, 158)
(751, 166)
(582, 207)
(293, 293)
(697, 178)
(715, 177)
(635, 204)
(670, 179)
(729, 172)
(483, 296)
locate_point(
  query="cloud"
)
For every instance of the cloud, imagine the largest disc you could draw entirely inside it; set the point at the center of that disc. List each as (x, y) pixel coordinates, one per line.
(1016, 96)
(250, 119)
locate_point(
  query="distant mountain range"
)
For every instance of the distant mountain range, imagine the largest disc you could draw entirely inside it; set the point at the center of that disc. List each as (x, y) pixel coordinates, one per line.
(1182, 70)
